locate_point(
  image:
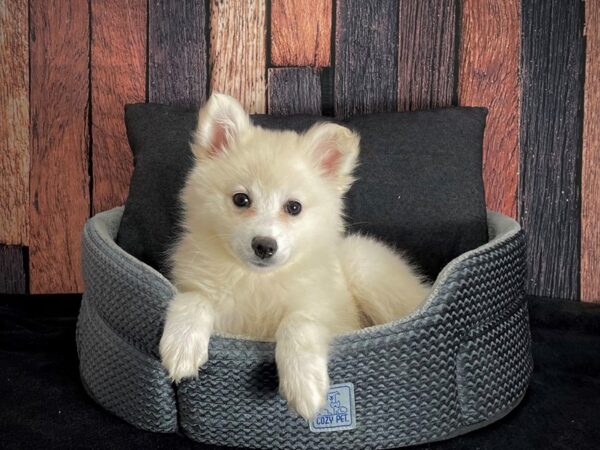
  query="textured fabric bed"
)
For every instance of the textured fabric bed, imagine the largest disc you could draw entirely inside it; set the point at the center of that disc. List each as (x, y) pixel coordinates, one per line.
(460, 362)
(43, 404)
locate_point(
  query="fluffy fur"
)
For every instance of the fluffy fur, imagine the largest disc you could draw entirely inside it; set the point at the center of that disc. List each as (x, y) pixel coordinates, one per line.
(317, 284)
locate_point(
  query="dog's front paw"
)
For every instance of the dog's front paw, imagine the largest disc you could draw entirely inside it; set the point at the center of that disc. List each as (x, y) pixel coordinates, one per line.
(183, 351)
(184, 344)
(303, 382)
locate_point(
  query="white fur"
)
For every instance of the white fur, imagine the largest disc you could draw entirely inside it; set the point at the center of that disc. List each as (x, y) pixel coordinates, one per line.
(318, 284)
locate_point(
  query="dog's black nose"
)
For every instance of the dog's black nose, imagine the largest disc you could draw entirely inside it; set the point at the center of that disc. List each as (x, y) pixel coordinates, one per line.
(264, 247)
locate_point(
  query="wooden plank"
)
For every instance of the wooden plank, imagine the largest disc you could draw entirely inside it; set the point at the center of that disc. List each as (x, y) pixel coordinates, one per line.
(294, 91)
(366, 54)
(551, 113)
(237, 51)
(488, 76)
(177, 52)
(426, 53)
(12, 270)
(301, 32)
(14, 122)
(590, 177)
(59, 185)
(118, 77)
(14, 144)
(327, 91)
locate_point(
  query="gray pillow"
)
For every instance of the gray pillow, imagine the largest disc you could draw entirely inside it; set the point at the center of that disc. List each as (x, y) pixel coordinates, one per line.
(419, 184)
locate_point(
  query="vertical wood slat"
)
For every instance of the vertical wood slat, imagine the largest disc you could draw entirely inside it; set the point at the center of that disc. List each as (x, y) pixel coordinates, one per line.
(14, 122)
(14, 144)
(301, 32)
(552, 83)
(59, 182)
(590, 177)
(488, 76)
(426, 53)
(238, 51)
(118, 67)
(366, 55)
(12, 270)
(294, 91)
(177, 52)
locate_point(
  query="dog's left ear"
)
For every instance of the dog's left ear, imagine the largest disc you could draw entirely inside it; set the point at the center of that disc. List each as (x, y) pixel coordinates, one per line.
(334, 149)
(220, 123)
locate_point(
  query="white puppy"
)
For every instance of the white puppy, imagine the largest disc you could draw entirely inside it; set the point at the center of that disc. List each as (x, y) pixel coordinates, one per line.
(263, 253)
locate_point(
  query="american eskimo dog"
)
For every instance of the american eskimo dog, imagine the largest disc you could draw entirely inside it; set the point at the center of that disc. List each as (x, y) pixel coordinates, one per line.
(264, 253)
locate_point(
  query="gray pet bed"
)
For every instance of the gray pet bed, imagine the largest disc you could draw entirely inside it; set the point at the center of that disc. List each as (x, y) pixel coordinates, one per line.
(460, 362)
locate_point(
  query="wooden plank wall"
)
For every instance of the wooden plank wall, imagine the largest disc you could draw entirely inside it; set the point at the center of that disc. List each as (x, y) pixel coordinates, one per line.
(590, 177)
(366, 54)
(301, 32)
(238, 51)
(14, 143)
(489, 76)
(552, 66)
(59, 181)
(177, 52)
(294, 90)
(426, 54)
(13, 278)
(68, 67)
(118, 71)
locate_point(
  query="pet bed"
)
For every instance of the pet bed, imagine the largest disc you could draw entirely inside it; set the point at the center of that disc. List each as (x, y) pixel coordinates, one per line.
(460, 362)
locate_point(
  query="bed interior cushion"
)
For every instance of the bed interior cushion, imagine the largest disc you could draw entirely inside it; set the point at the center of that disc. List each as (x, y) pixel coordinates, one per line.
(419, 185)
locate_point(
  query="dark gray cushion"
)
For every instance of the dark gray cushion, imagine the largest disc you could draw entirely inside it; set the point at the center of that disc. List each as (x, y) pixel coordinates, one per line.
(419, 182)
(159, 137)
(420, 186)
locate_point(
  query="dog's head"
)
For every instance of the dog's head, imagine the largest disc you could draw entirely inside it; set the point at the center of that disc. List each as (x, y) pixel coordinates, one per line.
(266, 197)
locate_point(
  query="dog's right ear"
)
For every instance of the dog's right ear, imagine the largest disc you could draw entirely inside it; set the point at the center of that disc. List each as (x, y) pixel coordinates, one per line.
(220, 123)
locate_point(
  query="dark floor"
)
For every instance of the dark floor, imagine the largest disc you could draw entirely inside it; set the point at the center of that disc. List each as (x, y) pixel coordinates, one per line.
(43, 405)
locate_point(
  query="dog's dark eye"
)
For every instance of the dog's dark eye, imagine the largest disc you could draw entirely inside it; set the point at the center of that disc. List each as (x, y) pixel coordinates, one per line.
(293, 208)
(241, 200)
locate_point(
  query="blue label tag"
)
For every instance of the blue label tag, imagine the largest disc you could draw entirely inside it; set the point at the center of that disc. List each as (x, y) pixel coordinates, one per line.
(338, 413)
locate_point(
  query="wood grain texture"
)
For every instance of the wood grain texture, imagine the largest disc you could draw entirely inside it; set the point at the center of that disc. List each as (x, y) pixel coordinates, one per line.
(12, 270)
(301, 32)
(237, 51)
(14, 122)
(552, 83)
(294, 91)
(426, 53)
(60, 201)
(177, 52)
(118, 77)
(590, 177)
(489, 76)
(366, 54)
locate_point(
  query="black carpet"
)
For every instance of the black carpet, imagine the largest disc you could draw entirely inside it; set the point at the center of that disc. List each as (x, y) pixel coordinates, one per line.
(44, 406)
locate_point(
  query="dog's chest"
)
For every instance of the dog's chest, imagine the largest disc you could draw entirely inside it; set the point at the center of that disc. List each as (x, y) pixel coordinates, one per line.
(252, 308)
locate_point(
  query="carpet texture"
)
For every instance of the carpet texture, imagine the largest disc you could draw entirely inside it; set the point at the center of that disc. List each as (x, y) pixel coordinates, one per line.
(43, 404)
